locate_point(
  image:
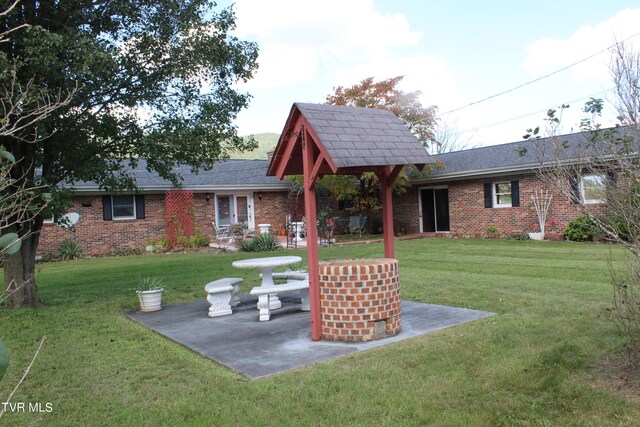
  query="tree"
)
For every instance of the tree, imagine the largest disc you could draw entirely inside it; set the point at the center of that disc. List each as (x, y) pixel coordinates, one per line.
(148, 79)
(406, 106)
(386, 96)
(605, 167)
(447, 139)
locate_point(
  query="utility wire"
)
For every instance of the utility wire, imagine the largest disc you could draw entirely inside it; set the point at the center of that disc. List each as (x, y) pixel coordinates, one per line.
(530, 114)
(539, 78)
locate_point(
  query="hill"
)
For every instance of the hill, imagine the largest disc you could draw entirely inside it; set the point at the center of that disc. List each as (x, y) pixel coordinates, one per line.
(266, 142)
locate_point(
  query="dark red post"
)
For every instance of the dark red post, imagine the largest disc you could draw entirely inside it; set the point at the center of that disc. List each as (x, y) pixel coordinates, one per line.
(312, 236)
(387, 214)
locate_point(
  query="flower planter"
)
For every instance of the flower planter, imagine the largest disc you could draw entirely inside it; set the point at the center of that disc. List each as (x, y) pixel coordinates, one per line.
(536, 236)
(150, 300)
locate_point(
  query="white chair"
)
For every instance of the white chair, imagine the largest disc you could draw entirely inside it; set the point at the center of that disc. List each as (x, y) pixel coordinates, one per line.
(223, 234)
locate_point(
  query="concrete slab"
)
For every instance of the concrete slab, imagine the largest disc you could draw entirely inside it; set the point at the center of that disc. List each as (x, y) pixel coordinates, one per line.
(257, 349)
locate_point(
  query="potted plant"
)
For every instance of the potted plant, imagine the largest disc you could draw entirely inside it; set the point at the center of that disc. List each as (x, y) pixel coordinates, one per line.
(541, 202)
(150, 293)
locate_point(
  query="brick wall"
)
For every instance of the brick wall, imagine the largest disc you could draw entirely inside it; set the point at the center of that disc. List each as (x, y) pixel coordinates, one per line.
(359, 299)
(470, 218)
(406, 218)
(100, 237)
(271, 209)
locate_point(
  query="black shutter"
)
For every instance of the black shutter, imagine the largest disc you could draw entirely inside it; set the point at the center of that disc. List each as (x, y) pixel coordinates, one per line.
(515, 194)
(612, 178)
(107, 214)
(139, 206)
(488, 196)
(575, 189)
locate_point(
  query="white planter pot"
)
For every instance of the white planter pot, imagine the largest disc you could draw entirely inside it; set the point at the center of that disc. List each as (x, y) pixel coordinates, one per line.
(536, 236)
(150, 300)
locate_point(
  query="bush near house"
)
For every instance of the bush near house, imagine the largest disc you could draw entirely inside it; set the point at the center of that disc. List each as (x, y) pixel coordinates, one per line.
(581, 229)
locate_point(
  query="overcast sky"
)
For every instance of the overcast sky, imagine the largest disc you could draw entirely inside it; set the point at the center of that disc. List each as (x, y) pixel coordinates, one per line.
(455, 53)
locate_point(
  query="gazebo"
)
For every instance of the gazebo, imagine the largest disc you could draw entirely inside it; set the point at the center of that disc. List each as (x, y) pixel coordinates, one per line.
(322, 139)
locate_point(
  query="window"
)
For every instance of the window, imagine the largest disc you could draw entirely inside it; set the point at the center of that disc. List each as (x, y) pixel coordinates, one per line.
(593, 188)
(124, 207)
(504, 194)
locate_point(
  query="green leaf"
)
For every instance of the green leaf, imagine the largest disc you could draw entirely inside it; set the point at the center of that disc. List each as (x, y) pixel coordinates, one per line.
(4, 358)
(10, 243)
(7, 156)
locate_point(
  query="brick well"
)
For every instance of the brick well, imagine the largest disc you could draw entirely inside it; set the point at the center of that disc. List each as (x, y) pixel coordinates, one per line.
(359, 299)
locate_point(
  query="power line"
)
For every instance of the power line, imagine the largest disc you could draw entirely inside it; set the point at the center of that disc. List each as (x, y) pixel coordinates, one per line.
(531, 114)
(539, 78)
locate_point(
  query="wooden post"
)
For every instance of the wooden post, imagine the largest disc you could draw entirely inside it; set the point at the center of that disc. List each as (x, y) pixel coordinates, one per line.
(312, 235)
(387, 213)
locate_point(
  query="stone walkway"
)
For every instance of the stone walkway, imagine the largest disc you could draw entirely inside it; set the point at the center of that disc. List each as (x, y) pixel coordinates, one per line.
(258, 349)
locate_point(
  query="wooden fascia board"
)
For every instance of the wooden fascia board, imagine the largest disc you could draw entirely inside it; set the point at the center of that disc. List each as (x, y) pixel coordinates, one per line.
(287, 149)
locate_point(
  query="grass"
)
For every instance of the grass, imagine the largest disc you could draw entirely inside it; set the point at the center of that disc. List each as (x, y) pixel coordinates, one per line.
(532, 364)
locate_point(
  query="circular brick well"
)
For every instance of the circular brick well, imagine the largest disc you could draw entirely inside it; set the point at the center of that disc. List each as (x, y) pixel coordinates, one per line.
(359, 299)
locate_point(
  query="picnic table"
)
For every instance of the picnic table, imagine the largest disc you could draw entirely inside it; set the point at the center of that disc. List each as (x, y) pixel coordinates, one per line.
(266, 266)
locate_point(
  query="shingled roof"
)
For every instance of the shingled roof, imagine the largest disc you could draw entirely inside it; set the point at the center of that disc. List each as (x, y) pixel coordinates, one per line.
(225, 175)
(353, 137)
(363, 136)
(521, 156)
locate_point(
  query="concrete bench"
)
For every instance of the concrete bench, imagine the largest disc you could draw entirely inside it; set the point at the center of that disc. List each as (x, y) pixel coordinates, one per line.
(222, 294)
(264, 294)
(290, 276)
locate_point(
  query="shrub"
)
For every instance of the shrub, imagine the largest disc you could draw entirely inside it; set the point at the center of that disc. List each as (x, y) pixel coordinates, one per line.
(261, 243)
(196, 240)
(581, 229)
(492, 229)
(69, 249)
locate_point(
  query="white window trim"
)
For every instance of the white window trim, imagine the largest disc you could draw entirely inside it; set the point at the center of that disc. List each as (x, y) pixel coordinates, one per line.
(49, 220)
(495, 195)
(234, 213)
(582, 195)
(121, 218)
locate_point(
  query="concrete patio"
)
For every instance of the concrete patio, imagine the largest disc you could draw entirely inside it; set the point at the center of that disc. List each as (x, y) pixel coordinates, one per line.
(258, 349)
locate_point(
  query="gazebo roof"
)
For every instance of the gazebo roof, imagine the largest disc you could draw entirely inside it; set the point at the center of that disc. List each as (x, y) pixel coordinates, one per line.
(351, 139)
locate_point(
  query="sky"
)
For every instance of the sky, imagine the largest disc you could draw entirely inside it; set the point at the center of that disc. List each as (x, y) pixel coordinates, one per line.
(455, 53)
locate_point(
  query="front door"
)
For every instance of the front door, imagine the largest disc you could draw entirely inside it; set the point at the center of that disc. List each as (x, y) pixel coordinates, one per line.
(234, 209)
(434, 204)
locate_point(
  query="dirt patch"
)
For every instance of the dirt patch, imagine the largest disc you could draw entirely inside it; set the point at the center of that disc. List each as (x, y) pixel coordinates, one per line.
(614, 374)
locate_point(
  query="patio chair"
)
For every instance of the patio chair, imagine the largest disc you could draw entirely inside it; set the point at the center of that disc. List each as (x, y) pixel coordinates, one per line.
(223, 234)
(242, 231)
(357, 223)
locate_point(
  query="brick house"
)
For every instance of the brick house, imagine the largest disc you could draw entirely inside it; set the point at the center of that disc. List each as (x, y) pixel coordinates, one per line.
(471, 191)
(492, 186)
(231, 192)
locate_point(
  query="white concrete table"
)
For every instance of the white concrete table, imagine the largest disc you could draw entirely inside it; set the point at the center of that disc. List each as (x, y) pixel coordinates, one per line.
(266, 266)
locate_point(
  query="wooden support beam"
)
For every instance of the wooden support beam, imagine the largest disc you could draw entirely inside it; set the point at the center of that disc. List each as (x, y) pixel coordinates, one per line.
(391, 176)
(387, 178)
(309, 164)
(316, 167)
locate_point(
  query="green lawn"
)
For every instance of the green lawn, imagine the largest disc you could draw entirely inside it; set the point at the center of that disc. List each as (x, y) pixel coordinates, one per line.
(532, 364)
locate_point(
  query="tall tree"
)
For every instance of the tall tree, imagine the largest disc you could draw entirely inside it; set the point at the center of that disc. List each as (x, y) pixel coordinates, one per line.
(384, 95)
(149, 79)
